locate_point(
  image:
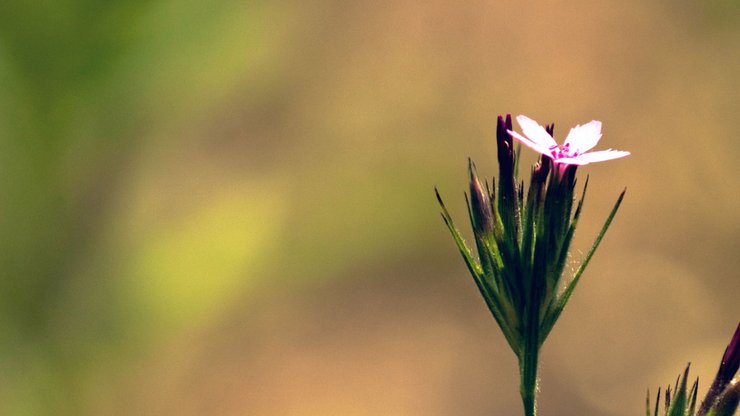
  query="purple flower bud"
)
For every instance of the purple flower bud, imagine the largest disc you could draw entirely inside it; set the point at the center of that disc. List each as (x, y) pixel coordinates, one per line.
(508, 202)
(727, 369)
(505, 146)
(540, 171)
(480, 204)
(731, 358)
(506, 158)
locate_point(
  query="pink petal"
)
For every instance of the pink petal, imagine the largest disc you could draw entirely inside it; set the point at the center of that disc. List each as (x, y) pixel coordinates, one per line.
(532, 145)
(535, 132)
(583, 138)
(592, 157)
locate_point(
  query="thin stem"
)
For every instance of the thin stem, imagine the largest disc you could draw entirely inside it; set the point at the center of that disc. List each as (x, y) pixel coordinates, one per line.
(528, 374)
(528, 361)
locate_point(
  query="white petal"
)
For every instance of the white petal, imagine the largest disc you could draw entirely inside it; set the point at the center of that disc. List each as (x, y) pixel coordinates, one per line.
(583, 138)
(592, 157)
(532, 145)
(535, 132)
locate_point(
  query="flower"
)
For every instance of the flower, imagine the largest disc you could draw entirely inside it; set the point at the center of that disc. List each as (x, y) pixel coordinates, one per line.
(523, 238)
(574, 151)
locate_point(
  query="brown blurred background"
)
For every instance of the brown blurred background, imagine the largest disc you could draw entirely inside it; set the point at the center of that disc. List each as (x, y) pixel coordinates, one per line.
(226, 207)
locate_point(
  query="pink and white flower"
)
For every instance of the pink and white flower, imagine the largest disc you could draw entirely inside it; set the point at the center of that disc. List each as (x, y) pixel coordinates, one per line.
(574, 151)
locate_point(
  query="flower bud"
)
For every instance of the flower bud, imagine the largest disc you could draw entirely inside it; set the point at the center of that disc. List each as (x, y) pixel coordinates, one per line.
(731, 358)
(480, 204)
(505, 145)
(508, 201)
(506, 159)
(727, 369)
(539, 179)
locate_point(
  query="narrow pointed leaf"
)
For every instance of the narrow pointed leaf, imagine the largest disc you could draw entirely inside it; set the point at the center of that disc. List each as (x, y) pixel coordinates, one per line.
(483, 257)
(563, 255)
(554, 314)
(647, 404)
(473, 265)
(692, 395)
(476, 271)
(678, 404)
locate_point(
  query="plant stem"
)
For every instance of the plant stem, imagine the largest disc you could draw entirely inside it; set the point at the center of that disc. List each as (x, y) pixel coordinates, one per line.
(528, 360)
(528, 377)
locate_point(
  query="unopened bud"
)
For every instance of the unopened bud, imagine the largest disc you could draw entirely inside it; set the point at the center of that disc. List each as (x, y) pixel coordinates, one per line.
(731, 359)
(480, 204)
(505, 145)
(727, 369)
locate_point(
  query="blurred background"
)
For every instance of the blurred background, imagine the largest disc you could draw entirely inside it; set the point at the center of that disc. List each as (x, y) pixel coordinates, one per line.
(227, 207)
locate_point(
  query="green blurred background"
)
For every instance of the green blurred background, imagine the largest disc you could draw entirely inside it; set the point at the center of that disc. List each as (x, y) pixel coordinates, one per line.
(226, 207)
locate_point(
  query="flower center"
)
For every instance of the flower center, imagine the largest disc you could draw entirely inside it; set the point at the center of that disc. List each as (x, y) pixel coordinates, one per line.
(558, 153)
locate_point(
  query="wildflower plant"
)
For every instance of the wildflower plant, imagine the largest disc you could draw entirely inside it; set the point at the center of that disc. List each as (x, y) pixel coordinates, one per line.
(523, 242)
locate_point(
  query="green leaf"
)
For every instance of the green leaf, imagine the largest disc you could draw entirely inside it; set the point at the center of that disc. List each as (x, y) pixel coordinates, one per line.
(692, 395)
(647, 404)
(552, 315)
(679, 402)
(483, 256)
(490, 296)
(553, 279)
(473, 265)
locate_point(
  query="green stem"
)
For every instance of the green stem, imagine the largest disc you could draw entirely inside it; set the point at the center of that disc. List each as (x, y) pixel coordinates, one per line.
(529, 355)
(528, 376)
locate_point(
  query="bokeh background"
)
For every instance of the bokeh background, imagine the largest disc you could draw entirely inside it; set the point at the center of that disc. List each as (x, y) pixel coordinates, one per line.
(227, 208)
